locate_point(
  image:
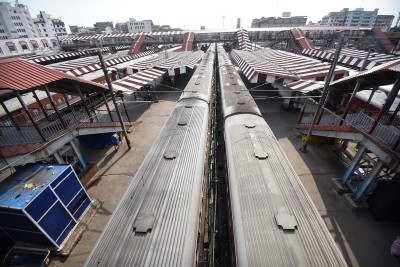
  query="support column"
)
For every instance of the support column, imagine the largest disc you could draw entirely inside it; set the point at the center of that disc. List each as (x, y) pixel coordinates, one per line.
(108, 108)
(40, 104)
(394, 115)
(53, 104)
(363, 188)
(78, 154)
(29, 115)
(58, 157)
(354, 163)
(389, 101)
(346, 110)
(84, 103)
(9, 114)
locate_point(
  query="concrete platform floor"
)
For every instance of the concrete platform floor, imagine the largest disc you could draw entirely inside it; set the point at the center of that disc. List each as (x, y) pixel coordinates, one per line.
(362, 240)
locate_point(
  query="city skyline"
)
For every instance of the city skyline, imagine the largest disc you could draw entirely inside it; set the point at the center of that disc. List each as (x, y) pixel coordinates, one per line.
(181, 14)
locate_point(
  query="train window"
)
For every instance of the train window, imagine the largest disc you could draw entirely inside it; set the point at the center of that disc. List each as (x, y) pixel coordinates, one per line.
(188, 106)
(182, 123)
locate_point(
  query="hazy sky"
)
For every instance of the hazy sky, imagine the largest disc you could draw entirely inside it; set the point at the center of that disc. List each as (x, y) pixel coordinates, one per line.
(191, 14)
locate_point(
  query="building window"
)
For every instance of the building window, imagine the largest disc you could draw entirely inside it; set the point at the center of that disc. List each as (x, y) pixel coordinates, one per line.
(1, 51)
(24, 46)
(12, 47)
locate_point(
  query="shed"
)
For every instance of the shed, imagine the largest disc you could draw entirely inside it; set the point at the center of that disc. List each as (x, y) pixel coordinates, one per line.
(41, 204)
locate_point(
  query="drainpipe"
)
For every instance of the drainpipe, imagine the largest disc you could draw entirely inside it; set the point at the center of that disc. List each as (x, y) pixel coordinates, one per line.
(53, 104)
(29, 115)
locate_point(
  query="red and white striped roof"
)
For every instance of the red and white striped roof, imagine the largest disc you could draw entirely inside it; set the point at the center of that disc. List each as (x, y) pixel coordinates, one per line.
(244, 41)
(351, 57)
(274, 66)
(86, 65)
(119, 35)
(305, 86)
(174, 62)
(137, 80)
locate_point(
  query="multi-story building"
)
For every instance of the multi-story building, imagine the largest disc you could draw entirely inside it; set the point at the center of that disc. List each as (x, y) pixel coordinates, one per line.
(384, 22)
(47, 26)
(279, 22)
(358, 18)
(334, 19)
(100, 27)
(139, 26)
(16, 22)
(361, 18)
(121, 27)
(73, 29)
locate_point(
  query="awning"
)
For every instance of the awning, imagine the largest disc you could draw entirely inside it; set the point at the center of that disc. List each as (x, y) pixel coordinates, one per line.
(305, 86)
(18, 74)
(22, 42)
(44, 41)
(137, 80)
(10, 44)
(274, 66)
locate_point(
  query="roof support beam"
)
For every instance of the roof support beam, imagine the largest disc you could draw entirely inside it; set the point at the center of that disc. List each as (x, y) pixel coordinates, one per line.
(53, 104)
(25, 108)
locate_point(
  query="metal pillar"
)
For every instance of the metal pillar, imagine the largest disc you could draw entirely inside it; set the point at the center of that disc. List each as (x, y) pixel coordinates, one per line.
(358, 84)
(9, 114)
(108, 108)
(389, 101)
(58, 157)
(394, 115)
(29, 115)
(78, 154)
(113, 98)
(350, 169)
(40, 105)
(324, 93)
(53, 104)
(84, 103)
(66, 101)
(363, 188)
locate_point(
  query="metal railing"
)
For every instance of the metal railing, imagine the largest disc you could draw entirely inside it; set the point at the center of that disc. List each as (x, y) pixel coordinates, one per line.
(387, 134)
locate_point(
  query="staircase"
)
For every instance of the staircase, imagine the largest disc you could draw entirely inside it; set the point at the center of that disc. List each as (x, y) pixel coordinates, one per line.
(244, 41)
(137, 45)
(301, 41)
(187, 44)
(382, 40)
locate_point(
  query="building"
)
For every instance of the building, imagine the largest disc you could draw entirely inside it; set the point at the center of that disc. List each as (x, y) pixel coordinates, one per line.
(334, 19)
(121, 27)
(74, 29)
(48, 27)
(100, 27)
(384, 22)
(358, 18)
(279, 22)
(16, 22)
(135, 26)
(27, 46)
(361, 18)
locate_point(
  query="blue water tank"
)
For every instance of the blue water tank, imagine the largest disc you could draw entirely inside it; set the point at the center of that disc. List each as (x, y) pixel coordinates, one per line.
(41, 204)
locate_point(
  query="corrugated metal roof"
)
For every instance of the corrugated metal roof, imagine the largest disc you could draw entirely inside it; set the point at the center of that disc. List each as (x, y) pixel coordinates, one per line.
(19, 74)
(381, 75)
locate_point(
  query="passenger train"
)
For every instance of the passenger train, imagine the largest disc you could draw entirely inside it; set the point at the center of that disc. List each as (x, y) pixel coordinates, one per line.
(156, 221)
(273, 221)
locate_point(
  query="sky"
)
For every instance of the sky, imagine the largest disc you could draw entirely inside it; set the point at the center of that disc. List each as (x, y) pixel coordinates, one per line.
(190, 15)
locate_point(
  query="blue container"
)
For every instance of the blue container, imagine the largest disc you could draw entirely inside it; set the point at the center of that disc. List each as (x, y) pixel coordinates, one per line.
(41, 204)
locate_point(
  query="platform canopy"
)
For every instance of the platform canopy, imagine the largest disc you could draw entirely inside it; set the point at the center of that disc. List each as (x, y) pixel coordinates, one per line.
(273, 66)
(137, 80)
(86, 65)
(351, 57)
(381, 75)
(21, 75)
(174, 62)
